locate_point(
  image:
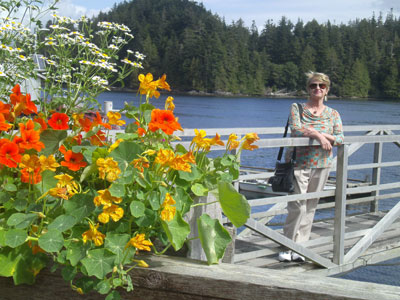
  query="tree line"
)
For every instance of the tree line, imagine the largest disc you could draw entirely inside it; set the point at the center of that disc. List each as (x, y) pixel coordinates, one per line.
(199, 51)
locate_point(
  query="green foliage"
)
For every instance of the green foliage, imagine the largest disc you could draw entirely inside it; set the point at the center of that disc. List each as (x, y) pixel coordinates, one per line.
(201, 52)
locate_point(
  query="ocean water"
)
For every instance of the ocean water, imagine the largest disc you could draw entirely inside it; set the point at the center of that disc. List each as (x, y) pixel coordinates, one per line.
(233, 112)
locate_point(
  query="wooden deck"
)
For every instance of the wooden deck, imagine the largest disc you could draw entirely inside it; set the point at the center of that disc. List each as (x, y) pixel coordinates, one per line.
(258, 251)
(343, 241)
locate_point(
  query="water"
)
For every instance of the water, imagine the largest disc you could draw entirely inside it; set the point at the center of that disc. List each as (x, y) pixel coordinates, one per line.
(234, 112)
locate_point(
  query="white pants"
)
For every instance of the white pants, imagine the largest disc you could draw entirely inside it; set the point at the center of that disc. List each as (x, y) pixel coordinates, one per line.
(301, 213)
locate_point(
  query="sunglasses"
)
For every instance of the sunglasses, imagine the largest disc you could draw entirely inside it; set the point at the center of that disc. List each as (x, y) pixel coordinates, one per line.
(313, 86)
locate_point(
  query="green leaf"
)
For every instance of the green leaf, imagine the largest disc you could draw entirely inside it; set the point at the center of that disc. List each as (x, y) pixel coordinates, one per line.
(62, 223)
(155, 200)
(10, 187)
(148, 219)
(79, 206)
(2, 237)
(51, 241)
(214, 238)
(127, 151)
(76, 251)
(233, 204)
(15, 237)
(99, 262)
(68, 273)
(116, 243)
(51, 140)
(114, 295)
(183, 200)
(48, 181)
(8, 261)
(137, 209)
(117, 190)
(190, 176)
(177, 231)
(21, 220)
(199, 189)
(89, 170)
(4, 197)
(103, 287)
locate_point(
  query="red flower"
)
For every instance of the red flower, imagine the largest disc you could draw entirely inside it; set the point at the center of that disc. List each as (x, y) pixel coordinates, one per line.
(42, 123)
(164, 120)
(73, 161)
(98, 139)
(9, 153)
(98, 121)
(59, 121)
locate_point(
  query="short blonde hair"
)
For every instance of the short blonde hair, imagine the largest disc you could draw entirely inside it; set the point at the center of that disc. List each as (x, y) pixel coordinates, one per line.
(319, 76)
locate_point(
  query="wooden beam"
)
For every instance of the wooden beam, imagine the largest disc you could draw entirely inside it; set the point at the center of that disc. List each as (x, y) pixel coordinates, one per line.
(280, 239)
(340, 201)
(373, 234)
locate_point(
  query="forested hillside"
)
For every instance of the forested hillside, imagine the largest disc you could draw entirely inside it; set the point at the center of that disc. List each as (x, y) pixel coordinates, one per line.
(199, 51)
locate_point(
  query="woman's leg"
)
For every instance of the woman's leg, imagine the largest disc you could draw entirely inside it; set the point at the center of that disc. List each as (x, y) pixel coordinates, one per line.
(317, 181)
(296, 209)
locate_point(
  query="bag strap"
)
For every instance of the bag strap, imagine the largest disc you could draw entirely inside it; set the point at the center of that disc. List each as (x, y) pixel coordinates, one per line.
(300, 107)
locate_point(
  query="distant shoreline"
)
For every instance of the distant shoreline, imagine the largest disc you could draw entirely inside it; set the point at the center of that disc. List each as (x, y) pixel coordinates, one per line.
(276, 95)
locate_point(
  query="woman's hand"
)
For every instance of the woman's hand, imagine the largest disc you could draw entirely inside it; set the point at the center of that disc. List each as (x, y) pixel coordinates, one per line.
(321, 138)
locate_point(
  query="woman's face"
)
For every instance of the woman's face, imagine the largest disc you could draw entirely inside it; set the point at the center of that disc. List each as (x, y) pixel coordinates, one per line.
(317, 89)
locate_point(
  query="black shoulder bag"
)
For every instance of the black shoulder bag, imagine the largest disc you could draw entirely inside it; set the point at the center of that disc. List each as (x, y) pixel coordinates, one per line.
(283, 179)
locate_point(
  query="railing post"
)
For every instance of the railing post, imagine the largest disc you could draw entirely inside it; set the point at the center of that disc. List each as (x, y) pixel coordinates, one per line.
(340, 204)
(234, 152)
(376, 173)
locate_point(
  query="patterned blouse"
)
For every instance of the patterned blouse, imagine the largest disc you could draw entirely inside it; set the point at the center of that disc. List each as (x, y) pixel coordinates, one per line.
(328, 121)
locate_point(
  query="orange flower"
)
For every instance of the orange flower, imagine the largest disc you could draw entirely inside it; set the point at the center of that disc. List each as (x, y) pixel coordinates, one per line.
(140, 130)
(169, 104)
(31, 177)
(141, 163)
(114, 118)
(86, 124)
(5, 110)
(30, 139)
(233, 143)
(149, 87)
(98, 121)
(22, 103)
(93, 235)
(9, 153)
(73, 161)
(164, 120)
(3, 125)
(168, 212)
(139, 242)
(249, 139)
(98, 138)
(40, 120)
(59, 121)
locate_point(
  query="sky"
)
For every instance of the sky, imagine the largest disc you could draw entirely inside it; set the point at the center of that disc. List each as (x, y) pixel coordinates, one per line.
(337, 11)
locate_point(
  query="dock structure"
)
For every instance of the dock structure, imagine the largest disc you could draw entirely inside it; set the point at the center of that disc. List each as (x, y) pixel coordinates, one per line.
(345, 239)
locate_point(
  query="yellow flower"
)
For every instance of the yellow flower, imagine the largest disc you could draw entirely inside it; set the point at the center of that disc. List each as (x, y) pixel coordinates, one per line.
(108, 169)
(149, 152)
(168, 212)
(105, 198)
(48, 163)
(141, 263)
(169, 104)
(181, 162)
(66, 187)
(216, 140)
(233, 143)
(77, 117)
(114, 212)
(93, 235)
(164, 157)
(139, 242)
(248, 140)
(29, 162)
(114, 118)
(200, 141)
(115, 145)
(140, 163)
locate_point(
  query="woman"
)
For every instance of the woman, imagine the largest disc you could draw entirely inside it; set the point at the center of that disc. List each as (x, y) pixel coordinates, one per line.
(323, 124)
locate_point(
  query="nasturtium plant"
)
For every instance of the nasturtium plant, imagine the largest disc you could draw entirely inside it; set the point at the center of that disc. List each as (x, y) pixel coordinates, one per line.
(78, 195)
